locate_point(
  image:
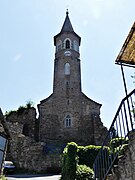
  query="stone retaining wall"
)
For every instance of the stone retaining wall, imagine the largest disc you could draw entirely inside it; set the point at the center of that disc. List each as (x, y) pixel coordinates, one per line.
(28, 154)
(23, 149)
(125, 170)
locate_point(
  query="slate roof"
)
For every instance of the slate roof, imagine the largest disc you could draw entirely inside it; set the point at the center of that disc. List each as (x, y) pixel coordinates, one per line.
(67, 28)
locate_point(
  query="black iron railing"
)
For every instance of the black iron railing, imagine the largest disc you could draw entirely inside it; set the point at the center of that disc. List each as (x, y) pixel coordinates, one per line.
(117, 135)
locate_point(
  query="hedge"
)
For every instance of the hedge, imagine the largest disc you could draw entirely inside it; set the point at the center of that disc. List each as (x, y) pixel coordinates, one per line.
(84, 172)
(87, 154)
(77, 161)
(70, 160)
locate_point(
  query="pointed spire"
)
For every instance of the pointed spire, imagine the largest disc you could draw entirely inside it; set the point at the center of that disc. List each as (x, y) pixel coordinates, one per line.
(67, 26)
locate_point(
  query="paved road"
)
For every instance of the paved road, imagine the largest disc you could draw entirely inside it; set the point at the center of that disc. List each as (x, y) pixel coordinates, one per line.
(32, 177)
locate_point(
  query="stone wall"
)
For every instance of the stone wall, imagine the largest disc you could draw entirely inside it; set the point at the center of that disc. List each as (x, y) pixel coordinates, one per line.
(29, 155)
(22, 121)
(24, 150)
(125, 170)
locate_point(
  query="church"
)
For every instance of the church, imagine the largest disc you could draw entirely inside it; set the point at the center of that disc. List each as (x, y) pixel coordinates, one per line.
(68, 114)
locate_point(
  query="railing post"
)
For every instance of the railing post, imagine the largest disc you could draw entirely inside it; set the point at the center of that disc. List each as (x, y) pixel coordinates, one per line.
(124, 80)
(125, 87)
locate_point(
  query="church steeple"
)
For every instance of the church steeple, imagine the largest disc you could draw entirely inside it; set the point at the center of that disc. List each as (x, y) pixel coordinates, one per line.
(67, 73)
(67, 26)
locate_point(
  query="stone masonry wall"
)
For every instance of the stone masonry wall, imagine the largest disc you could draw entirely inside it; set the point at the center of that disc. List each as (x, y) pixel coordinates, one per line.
(22, 121)
(28, 154)
(126, 164)
(84, 128)
(23, 150)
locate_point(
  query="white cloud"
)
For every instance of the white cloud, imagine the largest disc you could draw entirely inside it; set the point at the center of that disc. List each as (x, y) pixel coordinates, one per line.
(17, 57)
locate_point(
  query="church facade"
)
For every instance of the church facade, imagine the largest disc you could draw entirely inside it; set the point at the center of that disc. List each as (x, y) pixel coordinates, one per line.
(68, 114)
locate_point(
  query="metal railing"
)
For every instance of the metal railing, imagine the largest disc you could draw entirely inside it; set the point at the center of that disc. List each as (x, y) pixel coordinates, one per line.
(117, 135)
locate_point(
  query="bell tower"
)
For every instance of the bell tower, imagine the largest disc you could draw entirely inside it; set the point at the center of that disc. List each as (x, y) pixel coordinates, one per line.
(67, 73)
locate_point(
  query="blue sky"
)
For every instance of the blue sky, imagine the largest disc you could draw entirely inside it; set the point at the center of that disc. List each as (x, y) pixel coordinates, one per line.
(27, 28)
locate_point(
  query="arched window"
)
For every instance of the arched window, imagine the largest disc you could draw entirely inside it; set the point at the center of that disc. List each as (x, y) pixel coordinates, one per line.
(68, 121)
(67, 44)
(67, 69)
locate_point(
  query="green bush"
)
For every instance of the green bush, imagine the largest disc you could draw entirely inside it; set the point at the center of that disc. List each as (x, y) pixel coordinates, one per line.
(123, 149)
(84, 173)
(87, 154)
(20, 109)
(8, 113)
(77, 161)
(117, 142)
(28, 105)
(69, 163)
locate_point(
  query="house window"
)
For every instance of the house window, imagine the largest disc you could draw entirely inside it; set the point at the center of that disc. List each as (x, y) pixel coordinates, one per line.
(68, 121)
(67, 69)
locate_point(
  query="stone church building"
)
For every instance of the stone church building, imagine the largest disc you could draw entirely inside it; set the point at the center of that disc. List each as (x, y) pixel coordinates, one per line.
(66, 115)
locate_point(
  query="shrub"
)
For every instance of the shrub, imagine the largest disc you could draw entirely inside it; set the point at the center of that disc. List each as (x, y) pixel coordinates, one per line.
(123, 149)
(117, 148)
(69, 163)
(21, 110)
(29, 104)
(8, 113)
(84, 173)
(87, 154)
(76, 160)
(116, 142)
